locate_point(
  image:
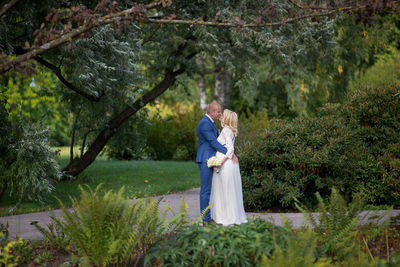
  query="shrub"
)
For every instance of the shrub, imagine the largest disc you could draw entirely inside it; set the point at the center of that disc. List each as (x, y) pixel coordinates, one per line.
(298, 158)
(239, 245)
(185, 124)
(352, 147)
(374, 115)
(28, 165)
(161, 140)
(106, 228)
(7, 258)
(250, 125)
(129, 143)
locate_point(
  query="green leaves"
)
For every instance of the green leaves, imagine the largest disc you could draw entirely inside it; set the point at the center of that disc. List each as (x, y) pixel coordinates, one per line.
(239, 245)
(106, 228)
(31, 166)
(343, 147)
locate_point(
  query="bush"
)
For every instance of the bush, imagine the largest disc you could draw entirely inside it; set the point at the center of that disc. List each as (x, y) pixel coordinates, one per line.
(374, 115)
(129, 143)
(239, 245)
(161, 139)
(28, 165)
(174, 136)
(352, 147)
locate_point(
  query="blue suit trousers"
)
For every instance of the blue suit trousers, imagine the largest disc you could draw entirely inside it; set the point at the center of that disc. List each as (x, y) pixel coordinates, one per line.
(205, 189)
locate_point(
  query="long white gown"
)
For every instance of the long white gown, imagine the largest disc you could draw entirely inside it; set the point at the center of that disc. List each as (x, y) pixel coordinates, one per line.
(226, 191)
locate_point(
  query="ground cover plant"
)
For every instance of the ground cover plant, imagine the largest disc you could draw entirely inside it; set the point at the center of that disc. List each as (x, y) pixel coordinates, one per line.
(239, 245)
(140, 178)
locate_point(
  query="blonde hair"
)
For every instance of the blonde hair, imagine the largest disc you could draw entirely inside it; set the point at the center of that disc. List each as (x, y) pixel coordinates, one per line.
(230, 120)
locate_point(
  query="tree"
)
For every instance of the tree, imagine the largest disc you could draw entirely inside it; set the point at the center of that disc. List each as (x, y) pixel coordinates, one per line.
(109, 73)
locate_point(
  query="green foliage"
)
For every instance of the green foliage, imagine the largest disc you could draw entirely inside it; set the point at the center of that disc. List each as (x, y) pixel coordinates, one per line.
(7, 258)
(53, 234)
(161, 138)
(353, 146)
(299, 252)
(29, 164)
(106, 228)
(297, 158)
(168, 133)
(35, 98)
(130, 140)
(337, 225)
(250, 125)
(239, 245)
(185, 134)
(385, 72)
(374, 115)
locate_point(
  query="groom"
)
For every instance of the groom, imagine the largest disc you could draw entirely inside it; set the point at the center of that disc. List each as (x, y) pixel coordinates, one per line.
(208, 147)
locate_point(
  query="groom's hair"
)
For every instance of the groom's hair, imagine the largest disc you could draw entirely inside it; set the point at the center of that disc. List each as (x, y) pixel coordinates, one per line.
(212, 106)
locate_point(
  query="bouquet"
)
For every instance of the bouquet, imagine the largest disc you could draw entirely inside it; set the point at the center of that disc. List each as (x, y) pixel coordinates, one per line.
(214, 162)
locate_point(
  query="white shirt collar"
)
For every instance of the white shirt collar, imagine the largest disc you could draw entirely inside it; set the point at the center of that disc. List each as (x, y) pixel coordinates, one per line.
(210, 118)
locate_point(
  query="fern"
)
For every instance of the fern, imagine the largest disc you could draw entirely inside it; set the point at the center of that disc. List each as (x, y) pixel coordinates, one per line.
(337, 224)
(106, 228)
(299, 251)
(53, 234)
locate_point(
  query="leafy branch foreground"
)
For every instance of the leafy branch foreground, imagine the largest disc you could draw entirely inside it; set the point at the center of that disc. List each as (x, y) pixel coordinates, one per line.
(105, 229)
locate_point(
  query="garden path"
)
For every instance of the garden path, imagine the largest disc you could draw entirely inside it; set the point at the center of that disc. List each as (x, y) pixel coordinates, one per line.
(21, 225)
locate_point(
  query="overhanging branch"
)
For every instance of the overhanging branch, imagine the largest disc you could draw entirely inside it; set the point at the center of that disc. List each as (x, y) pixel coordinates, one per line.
(57, 71)
(6, 7)
(138, 13)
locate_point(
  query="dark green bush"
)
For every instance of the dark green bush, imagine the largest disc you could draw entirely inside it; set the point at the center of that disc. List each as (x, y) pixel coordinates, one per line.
(161, 139)
(351, 147)
(185, 134)
(129, 143)
(239, 245)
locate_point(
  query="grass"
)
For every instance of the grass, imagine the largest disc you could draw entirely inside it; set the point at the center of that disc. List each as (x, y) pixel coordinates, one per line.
(140, 178)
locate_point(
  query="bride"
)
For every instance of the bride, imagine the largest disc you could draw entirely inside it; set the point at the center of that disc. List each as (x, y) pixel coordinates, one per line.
(226, 191)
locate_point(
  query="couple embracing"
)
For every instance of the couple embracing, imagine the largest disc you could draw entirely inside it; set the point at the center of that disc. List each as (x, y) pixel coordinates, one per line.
(221, 187)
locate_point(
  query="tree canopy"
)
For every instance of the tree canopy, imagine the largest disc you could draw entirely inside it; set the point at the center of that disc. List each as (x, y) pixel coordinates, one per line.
(112, 58)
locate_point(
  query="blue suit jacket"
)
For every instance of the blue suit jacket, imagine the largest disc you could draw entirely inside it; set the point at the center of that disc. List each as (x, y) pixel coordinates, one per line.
(208, 144)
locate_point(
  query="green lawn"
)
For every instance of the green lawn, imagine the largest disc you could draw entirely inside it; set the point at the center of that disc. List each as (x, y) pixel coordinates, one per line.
(140, 178)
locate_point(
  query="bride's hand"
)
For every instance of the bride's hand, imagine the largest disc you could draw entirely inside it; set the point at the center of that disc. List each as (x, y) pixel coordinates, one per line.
(235, 159)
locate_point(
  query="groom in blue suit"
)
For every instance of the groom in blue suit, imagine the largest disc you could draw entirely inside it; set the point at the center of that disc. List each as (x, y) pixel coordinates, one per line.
(208, 147)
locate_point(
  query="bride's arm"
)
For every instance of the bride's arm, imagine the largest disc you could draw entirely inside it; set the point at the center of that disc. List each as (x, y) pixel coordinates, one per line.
(228, 138)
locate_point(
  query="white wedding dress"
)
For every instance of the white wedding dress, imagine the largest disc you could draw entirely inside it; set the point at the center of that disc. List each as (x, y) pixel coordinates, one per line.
(226, 191)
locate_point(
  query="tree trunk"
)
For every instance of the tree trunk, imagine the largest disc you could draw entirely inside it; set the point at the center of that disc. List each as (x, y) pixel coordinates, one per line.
(219, 82)
(71, 148)
(227, 88)
(223, 87)
(79, 164)
(202, 83)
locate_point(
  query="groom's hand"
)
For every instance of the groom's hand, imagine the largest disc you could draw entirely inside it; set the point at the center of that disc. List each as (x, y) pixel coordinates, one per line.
(235, 159)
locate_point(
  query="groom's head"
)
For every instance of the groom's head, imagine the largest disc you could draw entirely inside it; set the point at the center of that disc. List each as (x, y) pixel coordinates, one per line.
(214, 110)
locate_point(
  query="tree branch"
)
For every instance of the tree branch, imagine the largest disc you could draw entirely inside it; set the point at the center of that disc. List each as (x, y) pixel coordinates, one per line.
(78, 165)
(57, 71)
(6, 7)
(251, 25)
(137, 13)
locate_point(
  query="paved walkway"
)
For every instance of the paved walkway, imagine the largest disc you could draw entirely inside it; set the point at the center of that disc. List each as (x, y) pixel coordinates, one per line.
(20, 225)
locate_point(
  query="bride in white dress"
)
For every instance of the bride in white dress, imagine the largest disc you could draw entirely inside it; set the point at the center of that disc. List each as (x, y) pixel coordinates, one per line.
(226, 191)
